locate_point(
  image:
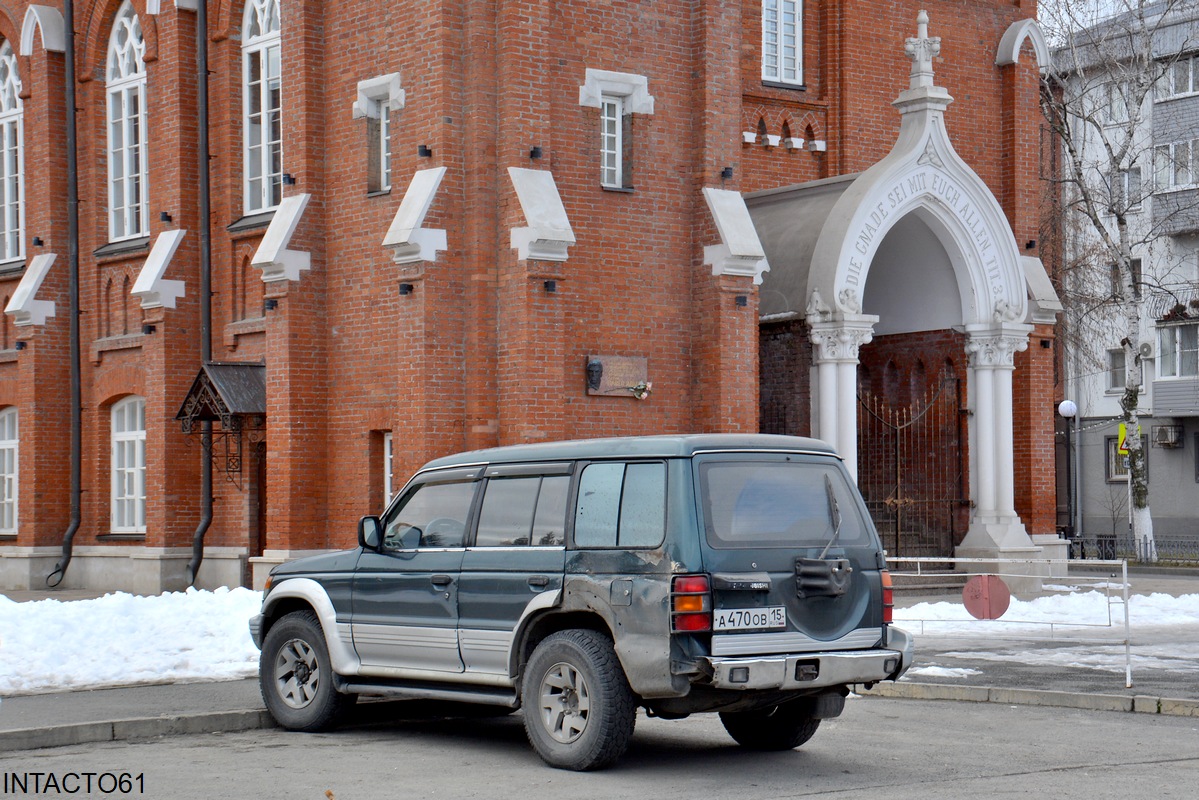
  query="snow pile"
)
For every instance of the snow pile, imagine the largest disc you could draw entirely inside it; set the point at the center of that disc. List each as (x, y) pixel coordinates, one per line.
(1070, 609)
(123, 639)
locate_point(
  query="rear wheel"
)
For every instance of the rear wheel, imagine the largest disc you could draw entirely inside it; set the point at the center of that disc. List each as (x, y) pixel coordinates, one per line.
(781, 727)
(578, 707)
(296, 676)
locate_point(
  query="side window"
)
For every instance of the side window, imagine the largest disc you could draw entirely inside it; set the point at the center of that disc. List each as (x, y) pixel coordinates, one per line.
(432, 515)
(621, 505)
(523, 511)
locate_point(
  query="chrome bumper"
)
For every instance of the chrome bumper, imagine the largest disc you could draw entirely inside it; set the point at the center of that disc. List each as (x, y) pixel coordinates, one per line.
(815, 670)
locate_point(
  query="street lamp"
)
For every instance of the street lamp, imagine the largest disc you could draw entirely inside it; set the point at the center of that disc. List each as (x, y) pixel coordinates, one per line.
(1068, 410)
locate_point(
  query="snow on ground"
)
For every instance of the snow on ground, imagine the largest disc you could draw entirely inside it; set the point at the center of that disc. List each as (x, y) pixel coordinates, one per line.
(123, 639)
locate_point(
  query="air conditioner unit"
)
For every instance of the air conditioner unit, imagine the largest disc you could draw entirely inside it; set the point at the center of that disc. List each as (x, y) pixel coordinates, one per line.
(1167, 435)
(1146, 350)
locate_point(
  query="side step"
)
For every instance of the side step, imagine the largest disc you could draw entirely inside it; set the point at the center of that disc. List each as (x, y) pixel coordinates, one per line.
(467, 694)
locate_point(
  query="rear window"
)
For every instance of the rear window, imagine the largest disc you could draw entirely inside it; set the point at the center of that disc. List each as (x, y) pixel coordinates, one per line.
(778, 504)
(621, 505)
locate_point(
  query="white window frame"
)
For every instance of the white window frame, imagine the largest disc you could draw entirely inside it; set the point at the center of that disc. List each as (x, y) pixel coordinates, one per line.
(388, 463)
(782, 41)
(1167, 160)
(125, 113)
(128, 467)
(262, 130)
(1127, 187)
(12, 158)
(612, 141)
(377, 98)
(1173, 362)
(10, 460)
(1168, 87)
(1117, 373)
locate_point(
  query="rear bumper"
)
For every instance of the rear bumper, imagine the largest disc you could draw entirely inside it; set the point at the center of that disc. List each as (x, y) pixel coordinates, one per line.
(802, 671)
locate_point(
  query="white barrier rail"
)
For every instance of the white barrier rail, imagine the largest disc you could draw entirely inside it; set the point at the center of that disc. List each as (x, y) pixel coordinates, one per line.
(1007, 628)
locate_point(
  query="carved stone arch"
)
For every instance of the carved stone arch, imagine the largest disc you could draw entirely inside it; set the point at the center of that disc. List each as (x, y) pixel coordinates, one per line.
(97, 27)
(1016, 37)
(46, 22)
(752, 119)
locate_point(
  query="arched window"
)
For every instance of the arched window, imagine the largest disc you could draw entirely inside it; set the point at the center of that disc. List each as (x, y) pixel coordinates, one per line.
(12, 158)
(263, 101)
(129, 465)
(128, 179)
(9, 445)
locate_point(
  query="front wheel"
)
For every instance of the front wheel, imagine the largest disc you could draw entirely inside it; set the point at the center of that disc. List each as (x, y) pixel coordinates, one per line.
(578, 707)
(781, 727)
(296, 676)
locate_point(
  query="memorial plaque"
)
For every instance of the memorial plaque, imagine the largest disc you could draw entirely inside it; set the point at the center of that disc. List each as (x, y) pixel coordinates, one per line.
(616, 376)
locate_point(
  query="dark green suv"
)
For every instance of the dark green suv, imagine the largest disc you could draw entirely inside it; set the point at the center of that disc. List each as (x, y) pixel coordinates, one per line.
(579, 580)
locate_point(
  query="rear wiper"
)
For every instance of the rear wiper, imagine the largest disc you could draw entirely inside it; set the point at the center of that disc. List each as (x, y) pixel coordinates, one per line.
(834, 513)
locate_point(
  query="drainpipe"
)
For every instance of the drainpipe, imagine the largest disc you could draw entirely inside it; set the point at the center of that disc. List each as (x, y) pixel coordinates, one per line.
(193, 566)
(68, 539)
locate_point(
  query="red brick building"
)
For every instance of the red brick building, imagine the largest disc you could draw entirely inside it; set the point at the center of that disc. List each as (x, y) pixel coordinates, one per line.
(431, 225)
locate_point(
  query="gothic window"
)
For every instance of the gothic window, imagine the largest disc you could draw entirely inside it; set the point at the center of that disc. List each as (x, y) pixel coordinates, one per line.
(12, 164)
(263, 102)
(128, 179)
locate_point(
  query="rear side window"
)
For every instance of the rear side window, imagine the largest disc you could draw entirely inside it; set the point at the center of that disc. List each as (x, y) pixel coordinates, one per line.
(432, 515)
(621, 505)
(524, 511)
(779, 504)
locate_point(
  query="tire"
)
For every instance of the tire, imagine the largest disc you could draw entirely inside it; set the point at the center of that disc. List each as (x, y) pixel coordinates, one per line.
(579, 710)
(781, 727)
(295, 675)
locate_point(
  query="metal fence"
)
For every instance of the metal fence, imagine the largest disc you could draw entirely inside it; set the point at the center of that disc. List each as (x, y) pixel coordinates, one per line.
(1181, 550)
(1111, 626)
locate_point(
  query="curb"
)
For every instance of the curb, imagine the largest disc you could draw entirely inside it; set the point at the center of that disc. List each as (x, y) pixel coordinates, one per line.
(1141, 704)
(142, 728)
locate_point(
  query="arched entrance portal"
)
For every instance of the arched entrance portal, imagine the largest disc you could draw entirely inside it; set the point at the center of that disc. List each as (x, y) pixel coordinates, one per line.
(914, 255)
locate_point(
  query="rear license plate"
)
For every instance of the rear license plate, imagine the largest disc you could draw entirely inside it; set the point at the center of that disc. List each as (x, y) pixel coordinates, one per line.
(741, 619)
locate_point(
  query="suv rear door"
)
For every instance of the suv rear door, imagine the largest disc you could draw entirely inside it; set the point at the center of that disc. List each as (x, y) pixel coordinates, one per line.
(793, 557)
(515, 561)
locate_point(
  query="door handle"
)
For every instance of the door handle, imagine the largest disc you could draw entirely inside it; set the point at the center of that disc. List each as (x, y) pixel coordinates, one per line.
(441, 580)
(539, 581)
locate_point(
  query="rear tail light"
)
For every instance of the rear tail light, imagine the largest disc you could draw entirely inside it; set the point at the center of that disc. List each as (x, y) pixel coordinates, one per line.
(888, 596)
(690, 604)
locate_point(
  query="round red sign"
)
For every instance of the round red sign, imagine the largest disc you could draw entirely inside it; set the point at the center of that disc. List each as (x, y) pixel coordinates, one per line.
(986, 597)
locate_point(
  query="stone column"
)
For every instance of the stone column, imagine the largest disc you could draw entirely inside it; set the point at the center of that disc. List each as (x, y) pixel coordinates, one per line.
(996, 531)
(836, 357)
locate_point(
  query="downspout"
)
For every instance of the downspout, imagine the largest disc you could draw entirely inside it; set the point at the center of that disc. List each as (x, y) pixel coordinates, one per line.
(193, 566)
(68, 539)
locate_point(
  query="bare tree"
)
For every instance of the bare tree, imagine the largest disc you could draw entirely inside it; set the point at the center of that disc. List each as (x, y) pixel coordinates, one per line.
(1110, 57)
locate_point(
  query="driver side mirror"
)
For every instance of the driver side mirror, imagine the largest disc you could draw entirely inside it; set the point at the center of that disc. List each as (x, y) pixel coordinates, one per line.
(370, 532)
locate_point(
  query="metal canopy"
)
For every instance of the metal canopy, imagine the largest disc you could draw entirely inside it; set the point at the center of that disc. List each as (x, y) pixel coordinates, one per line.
(225, 392)
(233, 394)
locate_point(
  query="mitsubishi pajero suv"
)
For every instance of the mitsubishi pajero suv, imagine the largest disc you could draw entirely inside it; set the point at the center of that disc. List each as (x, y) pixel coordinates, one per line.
(737, 574)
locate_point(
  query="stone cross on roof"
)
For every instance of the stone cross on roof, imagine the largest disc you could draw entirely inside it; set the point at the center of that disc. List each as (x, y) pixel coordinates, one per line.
(922, 50)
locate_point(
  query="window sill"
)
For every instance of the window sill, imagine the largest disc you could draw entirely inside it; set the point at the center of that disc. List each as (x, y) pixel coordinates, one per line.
(617, 189)
(794, 87)
(1182, 96)
(122, 248)
(122, 536)
(379, 192)
(1186, 187)
(251, 222)
(12, 267)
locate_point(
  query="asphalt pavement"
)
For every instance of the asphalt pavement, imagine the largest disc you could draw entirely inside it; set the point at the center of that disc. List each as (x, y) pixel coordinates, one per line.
(969, 668)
